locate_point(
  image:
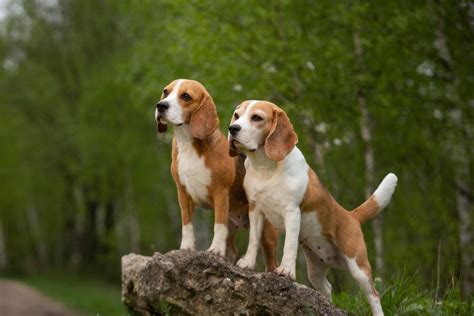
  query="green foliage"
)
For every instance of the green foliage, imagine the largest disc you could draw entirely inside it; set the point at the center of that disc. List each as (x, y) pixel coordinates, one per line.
(87, 180)
(402, 296)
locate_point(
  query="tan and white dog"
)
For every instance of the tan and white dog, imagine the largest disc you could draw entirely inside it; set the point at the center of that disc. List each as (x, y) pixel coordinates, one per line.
(282, 188)
(204, 173)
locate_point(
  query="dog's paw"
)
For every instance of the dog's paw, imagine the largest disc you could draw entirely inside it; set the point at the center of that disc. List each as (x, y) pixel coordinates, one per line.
(246, 263)
(285, 271)
(187, 244)
(217, 249)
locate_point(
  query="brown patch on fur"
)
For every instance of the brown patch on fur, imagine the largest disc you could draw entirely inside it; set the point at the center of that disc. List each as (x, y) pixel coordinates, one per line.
(204, 120)
(282, 137)
(269, 243)
(367, 210)
(312, 194)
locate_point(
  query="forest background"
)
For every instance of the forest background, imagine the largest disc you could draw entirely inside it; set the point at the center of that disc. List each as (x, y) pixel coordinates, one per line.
(371, 87)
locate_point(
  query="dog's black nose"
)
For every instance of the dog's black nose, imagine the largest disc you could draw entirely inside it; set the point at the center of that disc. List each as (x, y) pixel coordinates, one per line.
(162, 106)
(234, 129)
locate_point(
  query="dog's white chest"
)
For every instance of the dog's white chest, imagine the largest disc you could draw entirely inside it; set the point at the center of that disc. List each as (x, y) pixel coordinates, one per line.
(192, 170)
(277, 191)
(273, 207)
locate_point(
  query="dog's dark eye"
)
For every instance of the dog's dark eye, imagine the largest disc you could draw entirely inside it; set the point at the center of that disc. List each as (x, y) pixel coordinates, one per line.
(256, 118)
(186, 97)
(165, 93)
(236, 116)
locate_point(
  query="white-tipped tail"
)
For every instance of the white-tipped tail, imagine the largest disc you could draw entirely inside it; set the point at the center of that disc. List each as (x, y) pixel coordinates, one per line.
(384, 192)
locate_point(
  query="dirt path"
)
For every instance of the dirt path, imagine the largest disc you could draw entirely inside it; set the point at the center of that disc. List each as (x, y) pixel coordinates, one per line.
(17, 299)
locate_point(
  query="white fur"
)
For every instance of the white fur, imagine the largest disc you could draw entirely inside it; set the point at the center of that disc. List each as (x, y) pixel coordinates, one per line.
(290, 249)
(361, 277)
(277, 189)
(192, 171)
(219, 242)
(384, 192)
(174, 114)
(312, 238)
(187, 241)
(256, 227)
(317, 272)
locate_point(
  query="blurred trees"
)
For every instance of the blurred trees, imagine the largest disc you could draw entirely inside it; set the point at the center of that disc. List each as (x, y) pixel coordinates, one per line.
(86, 180)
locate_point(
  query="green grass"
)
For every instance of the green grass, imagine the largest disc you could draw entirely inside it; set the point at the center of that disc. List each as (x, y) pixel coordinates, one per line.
(87, 295)
(401, 296)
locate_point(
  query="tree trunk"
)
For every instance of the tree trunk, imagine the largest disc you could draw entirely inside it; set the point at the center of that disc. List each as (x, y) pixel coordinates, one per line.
(464, 211)
(366, 134)
(34, 228)
(460, 157)
(198, 283)
(3, 252)
(79, 207)
(132, 215)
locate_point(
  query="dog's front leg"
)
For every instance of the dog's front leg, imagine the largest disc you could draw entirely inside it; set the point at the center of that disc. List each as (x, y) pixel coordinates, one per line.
(221, 220)
(256, 220)
(290, 251)
(187, 209)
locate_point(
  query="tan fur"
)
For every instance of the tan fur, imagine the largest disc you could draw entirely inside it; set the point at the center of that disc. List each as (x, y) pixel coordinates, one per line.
(367, 210)
(341, 228)
(282, 137)
(225, 192)
(204, 120)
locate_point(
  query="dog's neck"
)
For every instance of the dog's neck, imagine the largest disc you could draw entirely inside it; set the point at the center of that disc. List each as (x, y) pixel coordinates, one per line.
(183, 133)
(259, 160)
(183, 136)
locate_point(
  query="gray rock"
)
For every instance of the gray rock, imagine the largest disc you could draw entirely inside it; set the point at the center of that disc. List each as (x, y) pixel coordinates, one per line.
(199, 283)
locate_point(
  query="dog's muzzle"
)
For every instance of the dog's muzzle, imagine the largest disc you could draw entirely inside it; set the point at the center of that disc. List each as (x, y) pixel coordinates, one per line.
(234, 129)
(162, 106)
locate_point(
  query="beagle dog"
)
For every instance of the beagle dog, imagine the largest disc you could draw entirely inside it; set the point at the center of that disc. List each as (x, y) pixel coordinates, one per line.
(282, 188)
(204, 173)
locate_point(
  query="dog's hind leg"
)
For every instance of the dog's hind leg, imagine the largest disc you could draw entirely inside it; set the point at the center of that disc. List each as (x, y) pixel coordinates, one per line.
(231, 251)
(269, 243)
(317, 272)
(360, 270)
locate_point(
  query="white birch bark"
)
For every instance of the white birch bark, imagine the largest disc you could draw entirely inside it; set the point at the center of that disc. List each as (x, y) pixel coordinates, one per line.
(132, 215)
(366, 134)
(36, 233)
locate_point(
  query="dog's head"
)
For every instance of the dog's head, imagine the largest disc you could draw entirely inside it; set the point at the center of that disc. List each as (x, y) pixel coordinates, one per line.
(260, 123)
(187, 102)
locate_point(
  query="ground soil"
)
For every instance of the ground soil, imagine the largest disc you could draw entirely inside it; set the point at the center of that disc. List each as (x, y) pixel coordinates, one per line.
(17, 299)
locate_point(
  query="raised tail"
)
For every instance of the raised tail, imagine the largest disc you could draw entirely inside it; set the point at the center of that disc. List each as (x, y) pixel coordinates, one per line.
(377, 201)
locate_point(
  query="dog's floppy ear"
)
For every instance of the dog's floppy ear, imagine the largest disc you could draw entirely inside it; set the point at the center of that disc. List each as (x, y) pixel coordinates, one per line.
(204, 120)
(282, 137)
